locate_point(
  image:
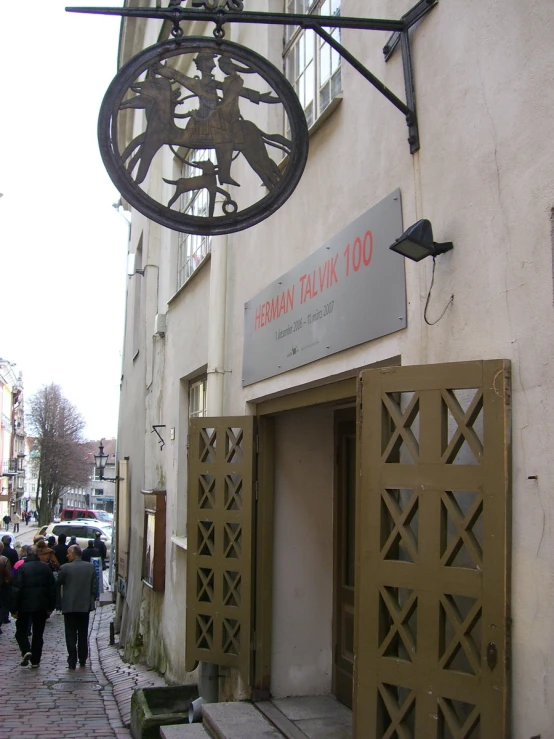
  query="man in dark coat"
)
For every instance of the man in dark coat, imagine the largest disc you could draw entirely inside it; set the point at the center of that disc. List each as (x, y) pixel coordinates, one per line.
(99, 544)
(5, 587)
(91, 551)
(34, 598)
(60, 549)
(77, 584)
(9, 551)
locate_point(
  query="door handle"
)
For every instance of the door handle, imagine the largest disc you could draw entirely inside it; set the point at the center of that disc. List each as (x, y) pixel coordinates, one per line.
(492, 655)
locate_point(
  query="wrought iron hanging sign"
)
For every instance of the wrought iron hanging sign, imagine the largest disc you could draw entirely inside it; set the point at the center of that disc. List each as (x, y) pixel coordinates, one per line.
(201, 98)
(204, 100)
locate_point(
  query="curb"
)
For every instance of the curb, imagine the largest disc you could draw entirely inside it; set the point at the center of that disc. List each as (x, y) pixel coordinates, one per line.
(120, 678)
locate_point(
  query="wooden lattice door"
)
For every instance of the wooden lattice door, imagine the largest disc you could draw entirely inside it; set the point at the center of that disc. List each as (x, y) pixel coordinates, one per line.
(432, 578)
(219, 533)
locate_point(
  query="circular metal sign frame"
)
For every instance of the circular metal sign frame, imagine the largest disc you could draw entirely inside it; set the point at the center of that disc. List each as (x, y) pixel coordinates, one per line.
(232, 220)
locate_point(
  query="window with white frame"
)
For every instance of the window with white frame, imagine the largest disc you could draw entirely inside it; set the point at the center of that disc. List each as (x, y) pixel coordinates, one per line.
(197, 398)
(193, 248)
(311, 65)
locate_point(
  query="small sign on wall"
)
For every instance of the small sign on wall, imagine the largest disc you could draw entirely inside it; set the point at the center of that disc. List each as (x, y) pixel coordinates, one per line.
(351, 290)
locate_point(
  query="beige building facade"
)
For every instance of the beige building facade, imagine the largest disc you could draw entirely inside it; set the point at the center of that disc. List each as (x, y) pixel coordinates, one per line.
(458, 638)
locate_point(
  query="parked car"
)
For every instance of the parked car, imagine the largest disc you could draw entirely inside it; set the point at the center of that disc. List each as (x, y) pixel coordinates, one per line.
(83, 531)
(70, 514)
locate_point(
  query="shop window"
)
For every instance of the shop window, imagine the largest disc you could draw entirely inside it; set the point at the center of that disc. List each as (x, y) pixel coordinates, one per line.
(193, 248)
(197, 398)
(311, 65)
(153, 558)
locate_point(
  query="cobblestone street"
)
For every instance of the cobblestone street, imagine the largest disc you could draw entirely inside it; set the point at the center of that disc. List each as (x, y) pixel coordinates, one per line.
(52, 702)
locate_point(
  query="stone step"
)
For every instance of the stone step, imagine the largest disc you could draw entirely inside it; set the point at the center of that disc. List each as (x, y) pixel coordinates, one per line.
(238, 720)
(184, 731)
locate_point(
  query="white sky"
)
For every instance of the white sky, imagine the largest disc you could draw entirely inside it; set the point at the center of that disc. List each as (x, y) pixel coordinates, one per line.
(62, 246)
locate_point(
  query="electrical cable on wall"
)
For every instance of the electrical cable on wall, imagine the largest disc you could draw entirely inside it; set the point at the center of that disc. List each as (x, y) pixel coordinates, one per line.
(432, 323)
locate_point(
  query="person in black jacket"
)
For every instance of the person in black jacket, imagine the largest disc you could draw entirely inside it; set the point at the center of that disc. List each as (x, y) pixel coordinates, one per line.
(91, 551)
(60, 549)
(9, 551)
(34, 599)
(99, 544)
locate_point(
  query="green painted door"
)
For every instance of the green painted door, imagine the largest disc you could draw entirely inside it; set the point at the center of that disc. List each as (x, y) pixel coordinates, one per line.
(432, 552)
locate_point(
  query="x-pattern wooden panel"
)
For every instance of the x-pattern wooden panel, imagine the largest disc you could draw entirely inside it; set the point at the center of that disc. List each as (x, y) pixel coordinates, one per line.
(432, 593)
(397, 714)
(402, 422)
(462, 638)
(401, 529)
(465, 421)
(233, 451)
(231, 636)
(399, 617)
(233, 491)
(204, 632)
(219, 567)
(231, 588)
(208, 442)
(205, 587)
(464, 524)
(458, 729)
(206, 491)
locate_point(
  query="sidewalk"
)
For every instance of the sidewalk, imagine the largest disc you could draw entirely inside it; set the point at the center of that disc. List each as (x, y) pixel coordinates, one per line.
(56, 703)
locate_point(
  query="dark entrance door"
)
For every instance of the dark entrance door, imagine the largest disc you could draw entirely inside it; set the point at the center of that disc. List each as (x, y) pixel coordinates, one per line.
(345, 506)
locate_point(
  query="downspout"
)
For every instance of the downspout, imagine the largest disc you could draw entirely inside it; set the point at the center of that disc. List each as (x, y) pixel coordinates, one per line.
(209, 673)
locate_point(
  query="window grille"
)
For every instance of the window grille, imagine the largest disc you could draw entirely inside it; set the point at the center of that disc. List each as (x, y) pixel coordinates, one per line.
(311, 65)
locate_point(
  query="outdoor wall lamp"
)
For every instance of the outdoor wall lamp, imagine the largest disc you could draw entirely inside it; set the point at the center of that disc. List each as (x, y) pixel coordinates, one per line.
(100, 460)
(416, 242)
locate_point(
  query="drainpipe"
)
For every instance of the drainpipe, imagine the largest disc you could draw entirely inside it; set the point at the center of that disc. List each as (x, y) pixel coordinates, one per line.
(208, 686)
(216, 326)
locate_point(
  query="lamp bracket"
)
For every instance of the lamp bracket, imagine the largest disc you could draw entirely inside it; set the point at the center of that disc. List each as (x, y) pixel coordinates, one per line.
(155, 428)
(220, 12)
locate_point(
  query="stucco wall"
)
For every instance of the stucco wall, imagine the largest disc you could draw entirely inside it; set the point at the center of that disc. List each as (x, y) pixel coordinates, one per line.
(484, 76)
(303, 554)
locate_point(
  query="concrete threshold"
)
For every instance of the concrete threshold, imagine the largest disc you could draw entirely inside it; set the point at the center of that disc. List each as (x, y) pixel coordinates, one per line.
(306, 717)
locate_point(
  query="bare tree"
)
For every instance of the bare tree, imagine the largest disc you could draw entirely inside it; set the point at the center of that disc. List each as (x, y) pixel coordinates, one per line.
(58, 427)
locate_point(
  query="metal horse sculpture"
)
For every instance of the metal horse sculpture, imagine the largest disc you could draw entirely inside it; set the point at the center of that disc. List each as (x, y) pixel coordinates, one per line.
(158, 99)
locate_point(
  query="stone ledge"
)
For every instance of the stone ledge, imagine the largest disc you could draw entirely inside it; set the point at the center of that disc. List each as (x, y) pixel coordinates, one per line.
(237, 720)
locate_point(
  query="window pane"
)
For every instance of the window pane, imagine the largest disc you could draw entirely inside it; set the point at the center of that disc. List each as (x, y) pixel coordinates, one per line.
(325, 63)
(310, 84)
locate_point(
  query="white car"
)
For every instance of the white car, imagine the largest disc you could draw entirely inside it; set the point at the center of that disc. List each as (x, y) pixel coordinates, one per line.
(83, 531)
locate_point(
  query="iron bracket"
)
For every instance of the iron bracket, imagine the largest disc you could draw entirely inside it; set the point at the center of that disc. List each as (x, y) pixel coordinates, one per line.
(318, 23)
(155, 428)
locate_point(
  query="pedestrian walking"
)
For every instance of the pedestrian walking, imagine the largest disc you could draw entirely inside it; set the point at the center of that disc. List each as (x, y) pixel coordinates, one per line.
(27, 517)
(22, 556)
(77, 585)
(16, 521)
(34, 598)
(91, 551)
(5, 588)
(9, 551)
(60, 549)
(100, 545)
(46, 554)
(7, 521)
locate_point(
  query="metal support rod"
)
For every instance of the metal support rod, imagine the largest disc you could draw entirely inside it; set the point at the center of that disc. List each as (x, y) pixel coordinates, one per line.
(413, 138)
(383, 89)
(179, 15)
(409, 19)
